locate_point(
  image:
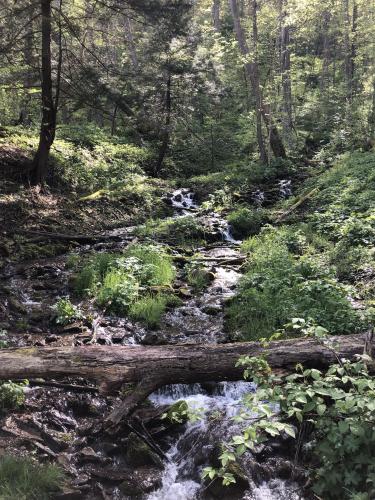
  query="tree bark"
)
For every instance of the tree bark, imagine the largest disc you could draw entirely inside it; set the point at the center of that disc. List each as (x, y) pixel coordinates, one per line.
(166, 131)
(216, 21)
(48, 125)
(150, 368)
(350, 27)
(130, 42)
(285, 75)
(326, 50)
(252, 72)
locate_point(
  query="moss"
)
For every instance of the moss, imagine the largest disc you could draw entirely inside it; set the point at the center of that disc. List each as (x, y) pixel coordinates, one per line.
(138, 453)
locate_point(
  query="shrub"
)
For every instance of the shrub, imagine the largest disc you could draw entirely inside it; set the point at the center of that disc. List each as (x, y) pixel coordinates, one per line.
(246, 221)
(12, 395)
(279, 285)
(3, 339)
(21, 478)
(66, 312)
(119, 280)
(332, 413)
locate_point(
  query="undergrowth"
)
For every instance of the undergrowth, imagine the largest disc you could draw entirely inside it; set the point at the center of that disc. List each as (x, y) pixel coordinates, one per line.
(23, 479)
(136, 282)
(287, 276)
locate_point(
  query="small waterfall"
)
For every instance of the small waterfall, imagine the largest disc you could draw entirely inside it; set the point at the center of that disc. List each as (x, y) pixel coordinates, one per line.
(183, 199)
(285, 188)
(181, 478)
(258, 198)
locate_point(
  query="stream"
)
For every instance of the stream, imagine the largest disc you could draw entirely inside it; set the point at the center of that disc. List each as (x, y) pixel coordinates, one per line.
(97, 465)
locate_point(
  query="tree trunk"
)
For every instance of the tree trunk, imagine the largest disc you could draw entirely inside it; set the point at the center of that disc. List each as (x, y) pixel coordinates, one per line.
(252, 71)
(258, 93)
(326, 50)
(24, 116)
(216, 22)
(150, 368)
(166, 129)
(130, 42)
(285, 75)
(48, 125)
(349, 46)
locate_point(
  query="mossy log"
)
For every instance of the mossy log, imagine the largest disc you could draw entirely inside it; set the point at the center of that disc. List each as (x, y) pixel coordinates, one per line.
(151, 367)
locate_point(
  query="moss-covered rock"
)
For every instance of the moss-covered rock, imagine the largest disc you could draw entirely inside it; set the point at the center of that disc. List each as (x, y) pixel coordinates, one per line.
(138, 453)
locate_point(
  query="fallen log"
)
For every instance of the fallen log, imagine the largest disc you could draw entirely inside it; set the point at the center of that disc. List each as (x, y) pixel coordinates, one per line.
(78, 238)
(151, 367)
(301, 200)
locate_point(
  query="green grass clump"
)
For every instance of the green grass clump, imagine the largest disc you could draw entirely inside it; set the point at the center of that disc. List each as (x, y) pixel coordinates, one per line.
(119, 281)
(198, 276)
(149, 310)
(246, 222)
(23, 479)
(287, 278)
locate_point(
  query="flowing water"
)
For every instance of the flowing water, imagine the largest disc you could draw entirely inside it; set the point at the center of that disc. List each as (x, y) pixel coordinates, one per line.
(216, 404)
(199, 320)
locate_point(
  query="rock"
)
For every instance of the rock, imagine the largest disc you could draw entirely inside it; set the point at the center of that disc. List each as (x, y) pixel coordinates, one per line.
(5, 250)
(51, 338)
(154, 338)
(138, 453)
(68, 494)
(211, 309)
(185, 292)
(235, 491)
(16, 306)
(87, 454)
(141, 481)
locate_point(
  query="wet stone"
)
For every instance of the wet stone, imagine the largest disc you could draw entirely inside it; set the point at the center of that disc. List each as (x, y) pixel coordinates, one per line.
(141, 481)
(138, 453)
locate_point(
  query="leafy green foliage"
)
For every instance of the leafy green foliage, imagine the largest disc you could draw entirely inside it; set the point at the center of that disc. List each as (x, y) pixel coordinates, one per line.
(22, 478)
(180, 412)
(3, 339)
(149, 309)
(339, 406)
(246, 222)
(130, 282)
(66, 312)
(12, 395)
(286, 277)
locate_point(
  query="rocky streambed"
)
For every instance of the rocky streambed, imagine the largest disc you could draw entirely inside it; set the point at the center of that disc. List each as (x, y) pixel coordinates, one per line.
(150, 457)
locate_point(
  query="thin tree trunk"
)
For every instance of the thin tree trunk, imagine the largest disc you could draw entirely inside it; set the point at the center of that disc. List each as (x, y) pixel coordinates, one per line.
(326, 51)
(252, 72)
(349, 46)
(285, 74)
(24, 117)
(48, 125)
(216, 21)
(167, 126)
(130, 42)
(258, 94)
(113, 121)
